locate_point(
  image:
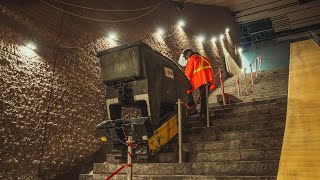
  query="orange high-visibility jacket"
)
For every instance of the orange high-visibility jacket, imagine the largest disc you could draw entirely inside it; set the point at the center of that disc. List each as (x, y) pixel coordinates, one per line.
(199, 72)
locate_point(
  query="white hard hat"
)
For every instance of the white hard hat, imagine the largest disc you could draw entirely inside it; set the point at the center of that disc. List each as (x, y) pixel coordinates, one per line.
(182, 60)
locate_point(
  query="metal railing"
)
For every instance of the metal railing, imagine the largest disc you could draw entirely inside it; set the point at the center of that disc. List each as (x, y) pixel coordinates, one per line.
(180, 130)
(257, 63)
(129, 162)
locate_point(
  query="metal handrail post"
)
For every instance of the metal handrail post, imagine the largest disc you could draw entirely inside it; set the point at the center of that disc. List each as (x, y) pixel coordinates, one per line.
(180, 130)
(222, 88)
(129, 170)
(245, 80)
(251, 75)
(258, 59)
(260, 64)
(256, 62)
(238, 85)
(207, 105)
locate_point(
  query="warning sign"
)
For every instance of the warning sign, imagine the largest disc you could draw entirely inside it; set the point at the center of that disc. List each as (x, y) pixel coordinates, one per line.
(168, 72)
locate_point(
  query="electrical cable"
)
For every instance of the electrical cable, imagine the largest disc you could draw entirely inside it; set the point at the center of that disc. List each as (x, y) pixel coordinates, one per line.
(40, 173)
(109, 10)
(103, 20)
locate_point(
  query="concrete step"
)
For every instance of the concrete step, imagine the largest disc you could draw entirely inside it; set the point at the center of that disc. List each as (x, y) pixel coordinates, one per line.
(209, 135)
(225, 155)
(261, 86)
(260, 144)
(259, 98)
(233, 85)
(168, 157)
(175, 177)
(250, 112)
(227, 168)
(252, 95)
(255, 97)
(256, 89)
(236, 155)
(240, 126)
(246, 135)
(239, 123)
(273, 100)
(265, 75)
(247, 100)
(250, 108)
(248, 104)
(195, 121)
(282, 80)
(255, 143)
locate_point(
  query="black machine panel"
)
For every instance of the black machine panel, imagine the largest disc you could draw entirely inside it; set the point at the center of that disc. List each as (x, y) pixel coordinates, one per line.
(135, 72)
(137, 76)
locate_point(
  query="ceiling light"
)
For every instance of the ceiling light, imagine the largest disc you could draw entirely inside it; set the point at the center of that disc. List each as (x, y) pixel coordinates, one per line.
(181, 23)
(227, 30)
(160, 31)
(221, 37)
(31, 46)
(213, 39)
(200, 38)
(112, 36)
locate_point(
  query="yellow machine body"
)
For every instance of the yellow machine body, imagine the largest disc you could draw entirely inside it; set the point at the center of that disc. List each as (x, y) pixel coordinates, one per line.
(163, 134)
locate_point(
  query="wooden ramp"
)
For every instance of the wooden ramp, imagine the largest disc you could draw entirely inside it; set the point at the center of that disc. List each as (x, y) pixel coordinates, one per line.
(300, 155)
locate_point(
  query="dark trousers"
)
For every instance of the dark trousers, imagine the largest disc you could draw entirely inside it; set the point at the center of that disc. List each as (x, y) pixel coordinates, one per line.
(203, 105)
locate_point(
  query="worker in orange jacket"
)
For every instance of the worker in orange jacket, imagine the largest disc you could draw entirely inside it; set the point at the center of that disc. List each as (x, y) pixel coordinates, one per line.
(199, 72)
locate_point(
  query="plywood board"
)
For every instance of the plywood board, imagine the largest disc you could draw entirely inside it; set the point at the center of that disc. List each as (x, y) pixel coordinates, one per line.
(300, 155)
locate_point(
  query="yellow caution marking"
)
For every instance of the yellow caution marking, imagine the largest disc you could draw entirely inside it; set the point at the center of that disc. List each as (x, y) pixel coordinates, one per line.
(103, 139)
(163, 134)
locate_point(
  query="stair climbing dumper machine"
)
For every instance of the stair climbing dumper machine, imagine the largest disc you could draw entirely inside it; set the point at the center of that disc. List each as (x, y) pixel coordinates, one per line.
(137, 76)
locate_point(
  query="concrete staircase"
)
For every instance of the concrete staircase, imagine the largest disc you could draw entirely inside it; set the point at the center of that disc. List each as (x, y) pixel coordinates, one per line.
(268, 85)
(243, 142)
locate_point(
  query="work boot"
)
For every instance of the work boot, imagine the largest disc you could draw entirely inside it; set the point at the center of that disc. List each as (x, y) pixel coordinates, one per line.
(192, 111)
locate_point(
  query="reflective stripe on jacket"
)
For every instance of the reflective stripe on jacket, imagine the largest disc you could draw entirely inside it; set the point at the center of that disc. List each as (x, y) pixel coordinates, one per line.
(199, 72)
